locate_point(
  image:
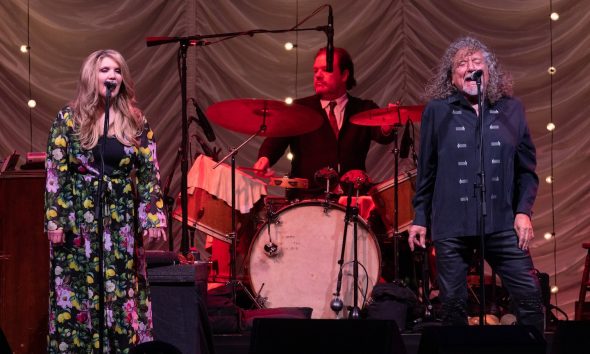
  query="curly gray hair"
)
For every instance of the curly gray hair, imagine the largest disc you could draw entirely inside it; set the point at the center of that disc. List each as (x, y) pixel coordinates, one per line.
(441, 86)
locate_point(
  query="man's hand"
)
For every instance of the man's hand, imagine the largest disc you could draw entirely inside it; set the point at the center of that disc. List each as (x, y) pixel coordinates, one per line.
(524, 230)
(262, 167)
(417, 236)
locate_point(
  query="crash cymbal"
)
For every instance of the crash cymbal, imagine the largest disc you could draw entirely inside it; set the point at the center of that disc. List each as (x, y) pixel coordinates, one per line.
(249, 114)
(394, 115)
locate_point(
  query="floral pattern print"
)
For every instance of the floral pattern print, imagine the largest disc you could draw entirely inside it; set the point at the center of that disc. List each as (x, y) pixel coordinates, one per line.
(132, 203)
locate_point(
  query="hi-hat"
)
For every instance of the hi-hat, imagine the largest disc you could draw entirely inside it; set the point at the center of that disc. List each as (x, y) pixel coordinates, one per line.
(394, 115)
(249, 114)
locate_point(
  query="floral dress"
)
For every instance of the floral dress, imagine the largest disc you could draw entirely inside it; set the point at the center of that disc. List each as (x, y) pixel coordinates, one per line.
(70, 203)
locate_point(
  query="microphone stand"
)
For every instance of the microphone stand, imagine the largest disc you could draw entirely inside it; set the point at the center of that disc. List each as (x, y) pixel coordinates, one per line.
(481, 185)
(336, 304)
(169, 200)
(233, 235)
(100, 222)
(199, 40)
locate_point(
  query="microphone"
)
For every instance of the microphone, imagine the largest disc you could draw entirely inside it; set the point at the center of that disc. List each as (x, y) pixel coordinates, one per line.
(203, 122)
(474, 76)
(110, 85)
(404, 149)
(330, 45)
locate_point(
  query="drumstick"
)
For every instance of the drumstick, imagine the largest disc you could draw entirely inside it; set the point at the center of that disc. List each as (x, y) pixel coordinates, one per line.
(250, 169)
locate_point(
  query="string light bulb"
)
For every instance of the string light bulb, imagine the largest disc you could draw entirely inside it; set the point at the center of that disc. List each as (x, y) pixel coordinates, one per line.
(554, 289)
(289, 46)
(24, 48)
(289, 100)
(32, 103)
(554, 16)
(548, 235)
(290, 156)
(551, 126)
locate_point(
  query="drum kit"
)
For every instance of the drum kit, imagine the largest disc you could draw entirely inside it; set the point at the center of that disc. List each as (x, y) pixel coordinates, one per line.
(301, 253)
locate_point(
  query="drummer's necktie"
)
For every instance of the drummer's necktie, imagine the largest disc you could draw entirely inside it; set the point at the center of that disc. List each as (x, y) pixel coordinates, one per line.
(332, 118)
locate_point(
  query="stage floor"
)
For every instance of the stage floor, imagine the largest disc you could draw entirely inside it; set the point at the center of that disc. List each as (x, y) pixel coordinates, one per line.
(240, 343)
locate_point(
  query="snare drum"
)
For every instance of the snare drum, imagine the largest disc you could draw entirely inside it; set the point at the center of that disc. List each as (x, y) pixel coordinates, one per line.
(304, 270)
(383, 197)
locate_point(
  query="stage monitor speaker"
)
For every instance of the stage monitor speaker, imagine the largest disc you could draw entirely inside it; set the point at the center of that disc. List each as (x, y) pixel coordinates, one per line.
(4, 347)
(571, 337)
(311, 336)
(178, 294)
(491, 339)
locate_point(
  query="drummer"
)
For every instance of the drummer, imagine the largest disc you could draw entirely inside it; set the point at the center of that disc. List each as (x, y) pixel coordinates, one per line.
(336, 144)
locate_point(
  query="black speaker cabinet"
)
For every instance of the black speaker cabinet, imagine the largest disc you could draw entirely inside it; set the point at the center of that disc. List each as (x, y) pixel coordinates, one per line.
(311, 336)
(179, 310)
(571, 337)
(482, 340)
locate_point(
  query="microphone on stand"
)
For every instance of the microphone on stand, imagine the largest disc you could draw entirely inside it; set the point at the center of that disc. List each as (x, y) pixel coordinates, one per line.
(474, 76)
(110, 85)
(203, 122)
(330, 45)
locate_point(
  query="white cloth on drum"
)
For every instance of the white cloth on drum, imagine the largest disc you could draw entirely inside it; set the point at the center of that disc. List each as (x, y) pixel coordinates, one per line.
(217, 182)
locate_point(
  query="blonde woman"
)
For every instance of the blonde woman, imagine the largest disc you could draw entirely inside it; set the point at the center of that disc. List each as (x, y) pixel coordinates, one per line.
(132, 204)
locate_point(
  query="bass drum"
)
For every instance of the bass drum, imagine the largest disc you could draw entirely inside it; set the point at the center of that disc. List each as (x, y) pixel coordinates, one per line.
(304, 270)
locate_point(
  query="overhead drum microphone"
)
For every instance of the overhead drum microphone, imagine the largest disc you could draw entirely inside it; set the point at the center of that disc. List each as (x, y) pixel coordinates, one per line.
(330, 45)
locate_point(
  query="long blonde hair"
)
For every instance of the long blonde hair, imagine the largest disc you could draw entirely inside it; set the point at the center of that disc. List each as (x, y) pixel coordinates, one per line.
(88, 101)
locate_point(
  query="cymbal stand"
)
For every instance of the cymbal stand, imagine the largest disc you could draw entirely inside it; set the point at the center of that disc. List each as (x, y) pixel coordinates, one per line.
(232, 236)
(395, 228)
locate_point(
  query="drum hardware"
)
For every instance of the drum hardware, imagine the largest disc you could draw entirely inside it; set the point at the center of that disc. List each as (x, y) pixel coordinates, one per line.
(353, 180)
(305, 272)
(286, 182)
(258, 117)
(270, 248)
(395, 115)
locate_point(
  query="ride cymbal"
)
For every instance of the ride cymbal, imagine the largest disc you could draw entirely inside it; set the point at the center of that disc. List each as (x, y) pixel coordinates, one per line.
(267, 117)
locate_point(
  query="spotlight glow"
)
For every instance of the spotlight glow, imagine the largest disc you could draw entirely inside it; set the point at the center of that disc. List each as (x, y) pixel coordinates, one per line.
(547, 235)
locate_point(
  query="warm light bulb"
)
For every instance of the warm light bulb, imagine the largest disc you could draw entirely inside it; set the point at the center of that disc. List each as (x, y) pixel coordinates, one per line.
(547, 235)
(289, 100)
(32, 103)
(554, 289)
(289, 46)
(554, 16)
(551, 126)
(24, 48)
(552, 70)
(549, 179)
(290, 156)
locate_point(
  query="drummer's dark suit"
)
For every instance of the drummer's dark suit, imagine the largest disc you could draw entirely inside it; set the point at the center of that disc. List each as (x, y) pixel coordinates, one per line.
(318, 149)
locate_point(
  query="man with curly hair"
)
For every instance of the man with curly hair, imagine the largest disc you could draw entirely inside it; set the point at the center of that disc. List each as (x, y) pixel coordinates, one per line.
(447, 201)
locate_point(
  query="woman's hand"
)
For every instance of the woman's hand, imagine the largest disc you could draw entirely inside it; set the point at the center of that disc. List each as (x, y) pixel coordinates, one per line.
(56, 237)
(156, 233)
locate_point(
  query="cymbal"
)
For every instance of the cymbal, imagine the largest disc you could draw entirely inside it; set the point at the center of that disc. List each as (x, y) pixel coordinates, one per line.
(394, 115)
(249, 114)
